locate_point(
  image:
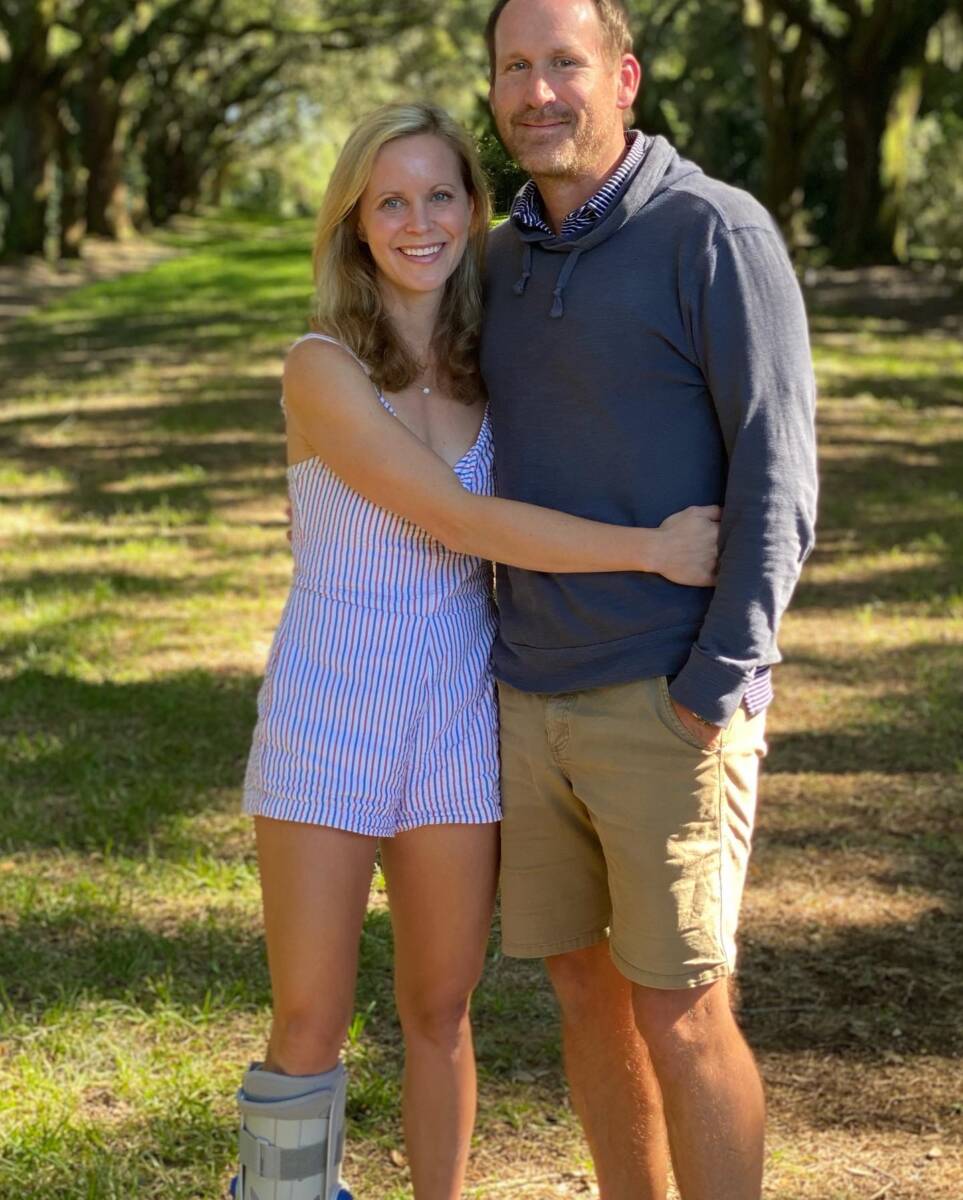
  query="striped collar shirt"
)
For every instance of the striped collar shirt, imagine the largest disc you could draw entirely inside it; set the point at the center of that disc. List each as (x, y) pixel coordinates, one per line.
(527, 212)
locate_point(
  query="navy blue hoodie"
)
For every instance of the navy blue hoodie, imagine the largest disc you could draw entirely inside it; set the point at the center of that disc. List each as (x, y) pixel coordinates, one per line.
(660, 360)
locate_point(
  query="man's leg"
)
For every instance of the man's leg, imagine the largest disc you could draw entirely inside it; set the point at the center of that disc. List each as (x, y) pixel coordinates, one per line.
(556, 906)
(711, 1090)
(610, 1076)
(674, 820)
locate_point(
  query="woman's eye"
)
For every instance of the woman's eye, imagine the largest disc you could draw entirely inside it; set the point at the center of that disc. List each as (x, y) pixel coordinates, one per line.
(391, 202)
(442, 196)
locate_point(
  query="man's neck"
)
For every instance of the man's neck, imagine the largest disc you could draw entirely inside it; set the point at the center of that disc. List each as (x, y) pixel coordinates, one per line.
(561, 196)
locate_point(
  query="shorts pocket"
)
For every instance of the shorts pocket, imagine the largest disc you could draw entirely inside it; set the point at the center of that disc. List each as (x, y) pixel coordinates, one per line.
(670, 718)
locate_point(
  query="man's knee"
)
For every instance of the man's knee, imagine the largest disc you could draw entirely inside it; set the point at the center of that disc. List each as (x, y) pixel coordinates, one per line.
(683, 1021)
(584, 980)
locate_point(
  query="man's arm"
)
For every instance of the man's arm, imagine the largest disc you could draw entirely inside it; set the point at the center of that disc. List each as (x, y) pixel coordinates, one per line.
(750, 335)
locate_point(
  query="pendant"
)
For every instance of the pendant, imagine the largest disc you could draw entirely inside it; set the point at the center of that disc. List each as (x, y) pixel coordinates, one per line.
(426, 391)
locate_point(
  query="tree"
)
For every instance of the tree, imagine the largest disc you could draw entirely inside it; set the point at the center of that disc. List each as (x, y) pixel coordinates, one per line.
(868, 45)
(796, 99)
(28, 77)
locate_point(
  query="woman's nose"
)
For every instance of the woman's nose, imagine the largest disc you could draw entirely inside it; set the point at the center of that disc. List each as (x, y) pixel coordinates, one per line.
(419, 217)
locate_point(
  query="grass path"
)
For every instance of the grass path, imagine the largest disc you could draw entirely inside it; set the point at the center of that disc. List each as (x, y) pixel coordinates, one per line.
(144, 564)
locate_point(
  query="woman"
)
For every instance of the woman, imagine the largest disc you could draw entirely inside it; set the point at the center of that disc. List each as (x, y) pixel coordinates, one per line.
(377, 716)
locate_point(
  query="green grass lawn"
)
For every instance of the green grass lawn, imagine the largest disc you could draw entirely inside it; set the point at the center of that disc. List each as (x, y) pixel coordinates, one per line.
(144, 563)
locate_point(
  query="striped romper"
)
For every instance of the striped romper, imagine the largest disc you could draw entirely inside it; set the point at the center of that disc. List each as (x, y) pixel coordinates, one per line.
(377, 712)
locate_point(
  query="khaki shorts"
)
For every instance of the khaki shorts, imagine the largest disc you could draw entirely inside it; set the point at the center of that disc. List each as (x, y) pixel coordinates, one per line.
(616, 822)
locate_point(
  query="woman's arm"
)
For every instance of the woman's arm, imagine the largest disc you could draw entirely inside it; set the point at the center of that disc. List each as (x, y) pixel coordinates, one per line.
(334, 410)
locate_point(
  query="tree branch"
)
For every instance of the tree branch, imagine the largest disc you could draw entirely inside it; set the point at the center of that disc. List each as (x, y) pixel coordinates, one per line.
(798, 13)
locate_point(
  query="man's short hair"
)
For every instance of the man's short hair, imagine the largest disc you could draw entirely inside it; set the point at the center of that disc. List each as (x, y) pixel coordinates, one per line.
(616, 30)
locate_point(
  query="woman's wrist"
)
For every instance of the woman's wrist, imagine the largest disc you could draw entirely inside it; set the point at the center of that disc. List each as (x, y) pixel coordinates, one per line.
(651, 551)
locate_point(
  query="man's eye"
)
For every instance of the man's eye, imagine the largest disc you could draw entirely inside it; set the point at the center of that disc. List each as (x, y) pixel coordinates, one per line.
(565, 62)
(516, 66)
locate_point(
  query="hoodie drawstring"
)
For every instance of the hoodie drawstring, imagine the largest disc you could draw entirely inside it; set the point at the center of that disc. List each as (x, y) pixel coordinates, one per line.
(564, 275)
(571, 261)
(522, 284)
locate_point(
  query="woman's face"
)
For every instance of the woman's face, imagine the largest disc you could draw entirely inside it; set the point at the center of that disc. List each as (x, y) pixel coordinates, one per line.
(415, 214)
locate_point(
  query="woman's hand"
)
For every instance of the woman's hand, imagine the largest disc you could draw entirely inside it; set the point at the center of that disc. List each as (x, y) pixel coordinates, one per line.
(688, 546)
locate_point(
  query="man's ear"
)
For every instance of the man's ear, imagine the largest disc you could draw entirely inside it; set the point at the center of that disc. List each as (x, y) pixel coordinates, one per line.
(630, 80)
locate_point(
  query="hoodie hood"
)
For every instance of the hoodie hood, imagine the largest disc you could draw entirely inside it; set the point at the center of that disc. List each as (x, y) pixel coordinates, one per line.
(660, 168)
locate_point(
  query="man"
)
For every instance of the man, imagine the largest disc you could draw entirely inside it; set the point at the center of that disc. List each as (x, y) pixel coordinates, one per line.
(645, 348)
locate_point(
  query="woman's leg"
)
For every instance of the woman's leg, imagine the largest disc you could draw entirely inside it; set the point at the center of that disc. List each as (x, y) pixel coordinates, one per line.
(441, 889)
(315, 883)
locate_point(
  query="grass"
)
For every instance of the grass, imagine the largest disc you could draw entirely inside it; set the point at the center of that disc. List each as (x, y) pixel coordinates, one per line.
(144, 564)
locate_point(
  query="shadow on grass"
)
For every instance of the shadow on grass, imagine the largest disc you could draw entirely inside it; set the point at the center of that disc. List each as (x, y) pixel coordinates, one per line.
(87, 765)
(915, 301)
(87, 946)
(913, 727)
(34, 585)
(911, 391)
(889, 503)
(855, 991)
(226, 443)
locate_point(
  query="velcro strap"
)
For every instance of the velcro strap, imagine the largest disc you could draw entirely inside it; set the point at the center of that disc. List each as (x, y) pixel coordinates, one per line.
(273, 1162)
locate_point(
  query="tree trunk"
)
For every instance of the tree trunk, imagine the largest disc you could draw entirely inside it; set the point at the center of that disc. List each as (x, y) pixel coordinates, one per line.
(71, 224)
(106, 203)
(27, 138)
(866, 226)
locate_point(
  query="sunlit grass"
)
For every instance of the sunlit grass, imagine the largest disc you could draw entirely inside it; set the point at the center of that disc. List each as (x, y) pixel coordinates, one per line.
(144, 564)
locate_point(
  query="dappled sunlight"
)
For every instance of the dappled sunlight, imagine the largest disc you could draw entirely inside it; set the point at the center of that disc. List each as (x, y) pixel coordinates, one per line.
(142, 496)
(835, 889)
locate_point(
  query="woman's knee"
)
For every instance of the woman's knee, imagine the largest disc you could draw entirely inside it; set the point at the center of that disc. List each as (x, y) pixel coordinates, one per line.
(436, 1015)
(305, 1040)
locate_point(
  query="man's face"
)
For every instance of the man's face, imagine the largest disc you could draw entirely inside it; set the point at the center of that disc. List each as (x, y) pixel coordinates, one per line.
(558, 94)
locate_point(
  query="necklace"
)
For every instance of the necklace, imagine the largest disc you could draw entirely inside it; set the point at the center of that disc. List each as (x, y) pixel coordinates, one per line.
(425, 388)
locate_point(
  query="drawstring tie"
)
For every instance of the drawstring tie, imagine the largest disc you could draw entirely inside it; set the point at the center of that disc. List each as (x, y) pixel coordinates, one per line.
(522, 284)
(571, 260)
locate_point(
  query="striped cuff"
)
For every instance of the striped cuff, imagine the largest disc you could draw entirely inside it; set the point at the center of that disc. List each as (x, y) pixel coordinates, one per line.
(759, 693)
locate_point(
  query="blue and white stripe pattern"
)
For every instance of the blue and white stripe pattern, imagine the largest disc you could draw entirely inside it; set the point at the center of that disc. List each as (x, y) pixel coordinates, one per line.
(377, 712)
(528, 214)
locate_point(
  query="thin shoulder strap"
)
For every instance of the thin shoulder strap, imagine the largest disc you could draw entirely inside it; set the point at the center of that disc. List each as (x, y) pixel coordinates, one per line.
(324, 337)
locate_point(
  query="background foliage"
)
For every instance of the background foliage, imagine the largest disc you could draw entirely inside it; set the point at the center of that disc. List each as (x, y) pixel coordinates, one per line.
(843, 116)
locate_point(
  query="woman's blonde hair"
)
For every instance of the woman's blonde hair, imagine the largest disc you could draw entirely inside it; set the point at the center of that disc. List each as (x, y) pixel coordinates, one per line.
(348, 302)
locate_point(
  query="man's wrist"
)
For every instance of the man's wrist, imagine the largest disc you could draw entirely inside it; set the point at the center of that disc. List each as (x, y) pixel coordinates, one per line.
(709, 687)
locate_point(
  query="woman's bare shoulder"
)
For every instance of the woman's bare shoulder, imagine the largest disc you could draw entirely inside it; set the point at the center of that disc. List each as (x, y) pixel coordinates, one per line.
(322, 370)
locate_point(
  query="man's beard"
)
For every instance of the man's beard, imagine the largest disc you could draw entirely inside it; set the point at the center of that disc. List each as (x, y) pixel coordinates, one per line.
(569, 158)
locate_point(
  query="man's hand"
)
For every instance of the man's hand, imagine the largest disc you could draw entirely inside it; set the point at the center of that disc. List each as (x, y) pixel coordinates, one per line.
(709, 736)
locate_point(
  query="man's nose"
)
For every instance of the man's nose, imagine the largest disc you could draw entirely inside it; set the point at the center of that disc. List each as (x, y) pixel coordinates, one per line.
(540, 91)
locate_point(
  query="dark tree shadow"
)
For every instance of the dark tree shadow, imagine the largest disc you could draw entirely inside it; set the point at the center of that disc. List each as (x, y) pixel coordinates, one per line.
(109, 764)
